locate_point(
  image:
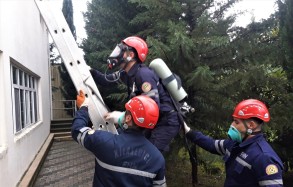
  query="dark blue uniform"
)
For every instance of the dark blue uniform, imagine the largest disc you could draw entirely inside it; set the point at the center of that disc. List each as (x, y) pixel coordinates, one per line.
(125, 160)
(142, 80)
(250, 163)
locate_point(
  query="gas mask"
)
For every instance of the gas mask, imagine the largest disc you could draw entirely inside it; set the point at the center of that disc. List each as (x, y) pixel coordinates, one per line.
(234, 134)
(116, 57)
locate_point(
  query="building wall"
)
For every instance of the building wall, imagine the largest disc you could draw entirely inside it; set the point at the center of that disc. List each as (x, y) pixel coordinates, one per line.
(23, 42)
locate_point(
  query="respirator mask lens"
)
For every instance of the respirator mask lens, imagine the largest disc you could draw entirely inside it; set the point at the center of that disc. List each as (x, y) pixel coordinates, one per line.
(116, 57)
(116, 52)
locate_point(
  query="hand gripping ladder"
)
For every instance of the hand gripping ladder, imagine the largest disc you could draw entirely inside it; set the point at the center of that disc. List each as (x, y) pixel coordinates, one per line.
(75, 64)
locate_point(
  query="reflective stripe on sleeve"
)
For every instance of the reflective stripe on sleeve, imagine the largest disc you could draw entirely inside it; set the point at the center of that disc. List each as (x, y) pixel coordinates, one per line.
(160, 183)
(126, 170)
(243, 163)
(270, 182)
(227, 152)
(222, 146)
(219, 144)
(81, 135)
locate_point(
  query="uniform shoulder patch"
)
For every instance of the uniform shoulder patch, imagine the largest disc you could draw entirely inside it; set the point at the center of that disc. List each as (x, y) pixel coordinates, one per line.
(146, 87)
(91, 132)
(271, 169)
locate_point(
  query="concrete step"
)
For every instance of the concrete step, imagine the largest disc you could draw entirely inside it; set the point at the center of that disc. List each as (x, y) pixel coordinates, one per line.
(62, 134)
(65, 129)
(63, 138)
(60, 126)
(57, 121)
(61, 129)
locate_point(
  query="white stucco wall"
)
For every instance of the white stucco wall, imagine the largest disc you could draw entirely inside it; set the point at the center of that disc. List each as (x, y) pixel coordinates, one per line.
(23, 37)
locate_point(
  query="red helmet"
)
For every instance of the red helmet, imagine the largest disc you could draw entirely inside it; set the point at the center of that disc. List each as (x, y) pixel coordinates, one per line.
(251, 108)
(139, 45)
(144, 111)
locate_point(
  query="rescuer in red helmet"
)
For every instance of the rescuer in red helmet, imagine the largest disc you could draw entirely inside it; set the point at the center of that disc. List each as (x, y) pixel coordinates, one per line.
(249, 159)
(127, 159)
(129, 56)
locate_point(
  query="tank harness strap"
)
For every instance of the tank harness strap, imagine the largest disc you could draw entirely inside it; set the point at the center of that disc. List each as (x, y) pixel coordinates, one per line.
(171, 78)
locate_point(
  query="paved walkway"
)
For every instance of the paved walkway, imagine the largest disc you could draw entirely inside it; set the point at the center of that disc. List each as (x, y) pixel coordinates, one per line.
(67, 164)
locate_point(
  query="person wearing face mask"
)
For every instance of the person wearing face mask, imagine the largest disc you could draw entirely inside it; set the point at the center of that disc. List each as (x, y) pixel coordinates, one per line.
(127, 159)
(249, 159)
(129, 56)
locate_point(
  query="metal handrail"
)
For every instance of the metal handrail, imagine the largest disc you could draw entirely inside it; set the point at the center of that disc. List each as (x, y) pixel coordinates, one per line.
(68, 111)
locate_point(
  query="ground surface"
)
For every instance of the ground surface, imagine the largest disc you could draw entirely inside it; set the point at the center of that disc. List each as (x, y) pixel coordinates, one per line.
(70, 165)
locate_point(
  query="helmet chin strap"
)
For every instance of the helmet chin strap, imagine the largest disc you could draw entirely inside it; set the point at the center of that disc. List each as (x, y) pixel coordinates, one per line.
(248, 131)
(126, 61)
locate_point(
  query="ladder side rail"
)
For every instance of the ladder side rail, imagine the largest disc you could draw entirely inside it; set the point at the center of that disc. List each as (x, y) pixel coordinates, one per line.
(75, 64)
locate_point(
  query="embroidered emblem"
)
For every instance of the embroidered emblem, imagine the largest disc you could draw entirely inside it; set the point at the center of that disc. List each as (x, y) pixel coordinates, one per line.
(91, 132)
(146, 87)
(271, 169)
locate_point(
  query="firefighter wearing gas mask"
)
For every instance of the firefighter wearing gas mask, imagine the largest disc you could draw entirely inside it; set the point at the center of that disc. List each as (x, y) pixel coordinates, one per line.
(129, 56)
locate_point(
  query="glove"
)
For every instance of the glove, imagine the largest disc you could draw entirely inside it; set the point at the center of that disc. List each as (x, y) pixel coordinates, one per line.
(113, 117)
(186, 128)
(81, 100)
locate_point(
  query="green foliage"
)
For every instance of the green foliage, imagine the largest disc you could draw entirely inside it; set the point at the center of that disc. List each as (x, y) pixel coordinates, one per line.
(286, 34)
(211, 164)
(107, 22)
(67, 10)
(54, 57)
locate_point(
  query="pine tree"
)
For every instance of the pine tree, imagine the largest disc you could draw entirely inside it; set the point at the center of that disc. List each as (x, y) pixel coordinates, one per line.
(67, 10)
(107, 24)
(285, 105)
(192, 38)
(219, 65)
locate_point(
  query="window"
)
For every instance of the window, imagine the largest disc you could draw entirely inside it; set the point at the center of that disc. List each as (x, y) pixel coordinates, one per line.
(25, 102)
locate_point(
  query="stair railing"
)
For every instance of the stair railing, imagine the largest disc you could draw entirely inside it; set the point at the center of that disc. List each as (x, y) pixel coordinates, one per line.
(63, 109)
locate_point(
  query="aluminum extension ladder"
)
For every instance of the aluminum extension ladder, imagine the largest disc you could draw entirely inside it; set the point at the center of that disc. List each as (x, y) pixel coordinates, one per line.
(75, 64)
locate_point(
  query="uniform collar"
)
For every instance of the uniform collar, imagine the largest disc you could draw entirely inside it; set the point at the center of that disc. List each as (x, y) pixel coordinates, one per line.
(252, 140)
(133, 131)
(133, 70)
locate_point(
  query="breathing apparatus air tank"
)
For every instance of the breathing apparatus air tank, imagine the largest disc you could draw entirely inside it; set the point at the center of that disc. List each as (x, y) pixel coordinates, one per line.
(171, 81)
